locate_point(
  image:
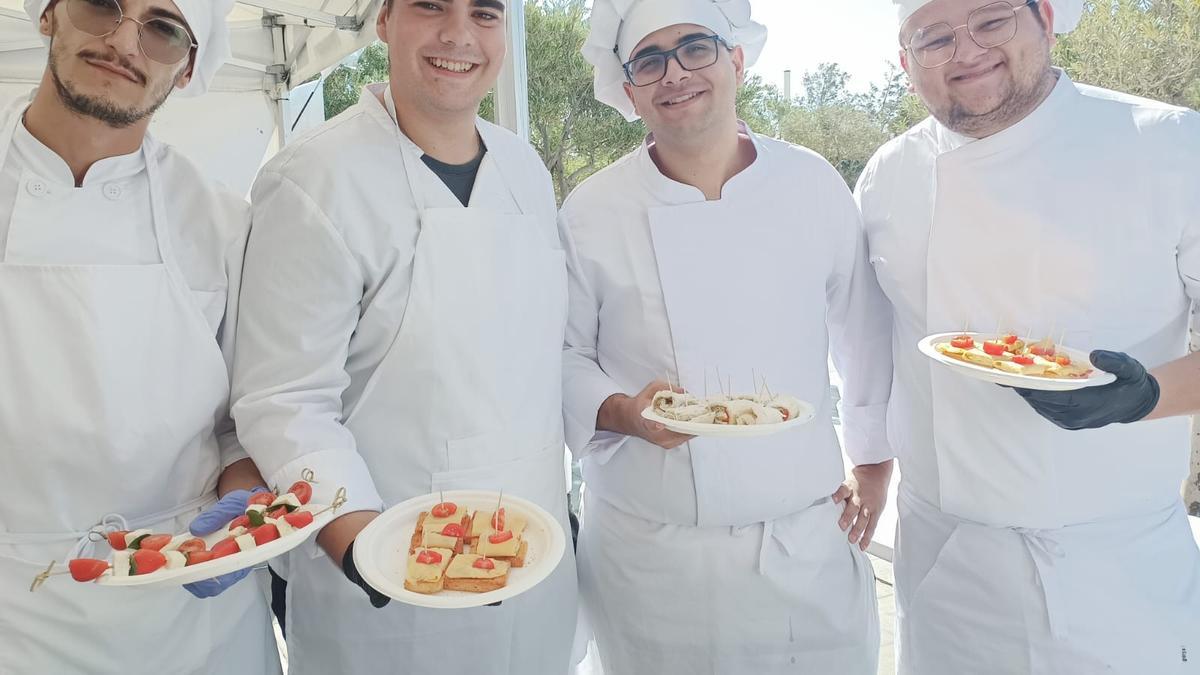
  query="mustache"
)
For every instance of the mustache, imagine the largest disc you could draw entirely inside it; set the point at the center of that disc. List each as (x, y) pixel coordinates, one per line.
(116, 60)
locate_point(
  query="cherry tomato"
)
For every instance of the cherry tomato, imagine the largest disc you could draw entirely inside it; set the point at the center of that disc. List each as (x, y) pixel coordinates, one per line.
(500, 537)
(191, 545)
(264, 498)
(145, 561)
(277, 512)
(155, 542)
(1009, 339)
(1023, 360)
(484, 564)
(227, 546)
(994, 347)
(444, 510)
(197, 557)
(87, 569)
(453, 530)
(1062, 360)
(427, 557)
(265, 533)
(116, 540)
(498, 519)
(302, 490)
(241, 521)
(298, 519)
(1042, 349)
(963, 342)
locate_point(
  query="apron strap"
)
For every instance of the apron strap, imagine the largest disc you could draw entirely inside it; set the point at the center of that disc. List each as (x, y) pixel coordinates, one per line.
(1045, 550)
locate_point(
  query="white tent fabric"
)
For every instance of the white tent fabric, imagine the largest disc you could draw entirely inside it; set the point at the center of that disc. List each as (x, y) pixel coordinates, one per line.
(277, 45)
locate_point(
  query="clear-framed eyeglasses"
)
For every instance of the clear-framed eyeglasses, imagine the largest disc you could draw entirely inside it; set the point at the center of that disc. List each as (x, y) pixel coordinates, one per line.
(694, 54)
(989, 26)
(160, 39)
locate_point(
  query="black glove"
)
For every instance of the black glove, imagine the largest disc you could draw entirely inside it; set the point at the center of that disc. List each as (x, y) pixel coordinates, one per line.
(378, 599)
(1131, 397)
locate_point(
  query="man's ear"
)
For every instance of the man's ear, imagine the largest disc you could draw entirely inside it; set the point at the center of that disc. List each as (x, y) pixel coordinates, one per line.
(738, 56)
(629, 92)
(382, 21)
(46, 21)
(185, 76)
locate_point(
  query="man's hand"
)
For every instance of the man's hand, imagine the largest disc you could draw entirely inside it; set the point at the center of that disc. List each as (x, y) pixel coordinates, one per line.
(1131, 397)
(215, 517)
(623, 415)
(337, 538)
(865, 494)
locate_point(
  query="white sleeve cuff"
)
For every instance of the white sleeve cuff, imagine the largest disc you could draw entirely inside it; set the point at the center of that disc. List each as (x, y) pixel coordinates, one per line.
(864, 430)
(582, 401)
(332, 470)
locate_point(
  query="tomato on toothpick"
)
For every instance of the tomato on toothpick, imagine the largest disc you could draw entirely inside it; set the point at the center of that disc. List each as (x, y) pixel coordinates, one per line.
(197, 557)
(484, 564)
(194, 544)
(1062, 360)
(145, 561)
(994, 348)
(1023, 360)
(87, 569)
(263, 498)
(227, 546)
(453, 530)
(963, 342)
(499, 518)
(427, 557)
(302, 490)
(500, 537)
(298, 519)
(444, 510)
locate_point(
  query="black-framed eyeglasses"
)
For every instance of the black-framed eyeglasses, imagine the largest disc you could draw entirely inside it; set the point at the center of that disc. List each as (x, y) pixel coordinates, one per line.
(162, 40)
(694, 54)
(989, 26)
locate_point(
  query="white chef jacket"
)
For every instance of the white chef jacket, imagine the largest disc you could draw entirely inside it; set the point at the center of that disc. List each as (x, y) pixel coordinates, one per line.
(1087, 162)
(313, 333)
(122, 232)
(619, 338)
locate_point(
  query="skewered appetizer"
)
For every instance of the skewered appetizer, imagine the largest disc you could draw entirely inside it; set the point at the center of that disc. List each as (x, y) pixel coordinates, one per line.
(737, 410)
(1010, 354)
(459, 551)
(135, 553)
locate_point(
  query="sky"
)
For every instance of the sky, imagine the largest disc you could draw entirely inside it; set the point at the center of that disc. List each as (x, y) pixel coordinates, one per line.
(860, 35)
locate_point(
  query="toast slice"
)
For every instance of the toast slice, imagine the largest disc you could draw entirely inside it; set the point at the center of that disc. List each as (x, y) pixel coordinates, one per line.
(481, 523)
(512, 554)
(427, 578)
(427, 534)
(462, 575)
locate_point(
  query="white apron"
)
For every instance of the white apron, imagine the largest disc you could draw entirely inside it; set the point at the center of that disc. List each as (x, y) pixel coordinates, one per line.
(762, 580)
(1085, 264)
(113, 384)
(467, 397)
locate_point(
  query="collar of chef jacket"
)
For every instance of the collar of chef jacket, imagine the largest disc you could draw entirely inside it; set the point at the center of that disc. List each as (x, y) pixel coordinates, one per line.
(669, 191)
(46, 163)
(1042, 122)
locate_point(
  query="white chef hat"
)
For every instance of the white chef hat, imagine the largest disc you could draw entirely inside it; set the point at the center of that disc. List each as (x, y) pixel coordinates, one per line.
(206, 18)
(1067, 13)
(617, 26)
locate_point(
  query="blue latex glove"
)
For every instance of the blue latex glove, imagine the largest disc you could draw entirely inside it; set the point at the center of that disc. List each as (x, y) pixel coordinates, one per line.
(1131, 397)
(210, 520)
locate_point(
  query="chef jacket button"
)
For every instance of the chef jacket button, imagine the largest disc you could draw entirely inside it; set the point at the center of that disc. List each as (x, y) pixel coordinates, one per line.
(36, 188)
(113, 191)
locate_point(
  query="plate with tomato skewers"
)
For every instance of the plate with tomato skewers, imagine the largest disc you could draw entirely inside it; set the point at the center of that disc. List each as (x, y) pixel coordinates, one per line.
(272, 525)
(1014, 361)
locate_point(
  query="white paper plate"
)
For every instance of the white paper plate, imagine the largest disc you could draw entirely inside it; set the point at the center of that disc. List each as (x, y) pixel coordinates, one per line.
(230, 563)
(381, 550)
(807, 412)
(1097, 378)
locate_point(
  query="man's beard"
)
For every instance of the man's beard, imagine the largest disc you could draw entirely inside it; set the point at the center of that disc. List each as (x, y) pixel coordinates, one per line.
(100, 108)
(1018, 101)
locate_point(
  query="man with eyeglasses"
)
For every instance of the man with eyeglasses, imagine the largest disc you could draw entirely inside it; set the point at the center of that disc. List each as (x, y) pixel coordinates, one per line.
(715, 259)
(119, 273)
(1048, 537)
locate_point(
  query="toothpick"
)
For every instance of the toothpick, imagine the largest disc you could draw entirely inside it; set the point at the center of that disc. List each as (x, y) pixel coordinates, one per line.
(706, 383)
(719, 381)
(43, 576)
(498, 500)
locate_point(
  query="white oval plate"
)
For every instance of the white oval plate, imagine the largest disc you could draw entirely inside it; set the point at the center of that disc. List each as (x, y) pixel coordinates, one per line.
(807, 413)
(230, 563)
(1097, 378)
(381, 549)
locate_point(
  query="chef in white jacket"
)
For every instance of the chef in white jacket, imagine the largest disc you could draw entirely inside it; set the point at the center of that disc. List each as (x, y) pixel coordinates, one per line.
(1034, 204)
(404, 305)
(712, 249)
(119, 272)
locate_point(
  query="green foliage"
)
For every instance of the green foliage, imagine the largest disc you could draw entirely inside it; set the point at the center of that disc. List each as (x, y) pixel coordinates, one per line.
(1149, 48)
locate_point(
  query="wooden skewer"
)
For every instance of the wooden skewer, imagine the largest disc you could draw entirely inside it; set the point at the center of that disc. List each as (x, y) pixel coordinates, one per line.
(43, 576)
(719, 382)
(308, 476)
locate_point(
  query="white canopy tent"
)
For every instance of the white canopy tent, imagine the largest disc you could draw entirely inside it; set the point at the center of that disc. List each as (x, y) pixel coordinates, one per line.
(249, 113)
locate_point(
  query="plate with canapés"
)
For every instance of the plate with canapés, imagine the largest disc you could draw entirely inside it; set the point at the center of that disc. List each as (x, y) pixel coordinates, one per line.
(728, 416)
(1011, 360)
(459, 549)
